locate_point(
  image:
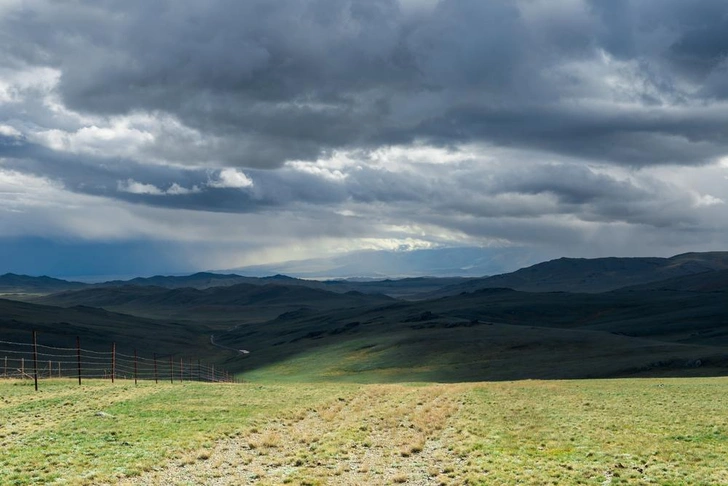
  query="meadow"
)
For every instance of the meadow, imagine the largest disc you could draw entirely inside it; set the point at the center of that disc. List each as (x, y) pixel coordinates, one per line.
(667, 431)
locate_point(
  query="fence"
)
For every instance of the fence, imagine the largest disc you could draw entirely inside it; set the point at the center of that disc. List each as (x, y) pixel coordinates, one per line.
(37, 361)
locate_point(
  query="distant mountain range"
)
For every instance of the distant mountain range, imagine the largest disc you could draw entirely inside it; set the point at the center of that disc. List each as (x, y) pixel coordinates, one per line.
(438, 262)
(18, 285)
(595, 275)
(566, 318)
(11, 283)
(561, 275)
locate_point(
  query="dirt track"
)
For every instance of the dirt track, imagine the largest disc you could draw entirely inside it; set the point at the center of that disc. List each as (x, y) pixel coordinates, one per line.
(366, 440)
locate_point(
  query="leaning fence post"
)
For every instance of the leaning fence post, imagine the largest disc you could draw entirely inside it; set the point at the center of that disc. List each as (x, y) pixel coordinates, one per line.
(35, 360)
(78, 356)
(113, 362)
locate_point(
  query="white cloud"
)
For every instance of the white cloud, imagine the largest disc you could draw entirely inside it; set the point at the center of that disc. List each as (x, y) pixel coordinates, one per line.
(133, 187)
(231, 178)
(116, 137)
(317, 170)
(703, 200)
(9, 131)
(17, 84)
(177, 190)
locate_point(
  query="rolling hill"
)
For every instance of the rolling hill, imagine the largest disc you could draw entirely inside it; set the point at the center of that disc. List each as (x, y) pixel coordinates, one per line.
(98, 329)
(710, 281)
(22, 286)
(11, 283)
(594, 275)
(499, 334)
(667, 317)
(241, 302)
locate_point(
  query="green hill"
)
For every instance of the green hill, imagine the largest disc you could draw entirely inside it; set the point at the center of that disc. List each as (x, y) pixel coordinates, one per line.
(498, 334)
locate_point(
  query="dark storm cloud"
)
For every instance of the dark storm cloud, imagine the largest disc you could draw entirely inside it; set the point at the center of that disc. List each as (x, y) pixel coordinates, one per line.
(296, 79)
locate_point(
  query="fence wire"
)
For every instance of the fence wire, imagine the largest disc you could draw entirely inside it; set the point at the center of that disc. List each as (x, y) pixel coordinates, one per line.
(35, 361)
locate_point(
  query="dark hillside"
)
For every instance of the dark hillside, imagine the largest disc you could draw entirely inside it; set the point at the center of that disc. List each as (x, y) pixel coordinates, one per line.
(237, 302)
(595, 275)
(709, 281)
(499, 334)
(11, 283)
(98, 329)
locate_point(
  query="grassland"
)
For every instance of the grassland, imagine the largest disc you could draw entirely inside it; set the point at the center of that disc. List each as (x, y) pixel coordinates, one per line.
(638, 431)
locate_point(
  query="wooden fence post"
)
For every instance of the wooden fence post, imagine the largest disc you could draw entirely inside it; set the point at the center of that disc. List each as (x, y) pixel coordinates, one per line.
(35, 360)
(135, 366)
(113, 362)
(78, 356)
(171, 369)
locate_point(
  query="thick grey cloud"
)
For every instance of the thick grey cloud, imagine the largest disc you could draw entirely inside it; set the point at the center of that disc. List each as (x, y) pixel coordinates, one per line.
(467, 188)
(622, 81)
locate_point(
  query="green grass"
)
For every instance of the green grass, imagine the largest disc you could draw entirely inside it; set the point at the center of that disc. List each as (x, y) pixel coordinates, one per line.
(638, 431)
(100, 431)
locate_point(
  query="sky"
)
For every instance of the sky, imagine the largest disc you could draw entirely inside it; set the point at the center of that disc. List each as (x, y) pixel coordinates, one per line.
(153, 136)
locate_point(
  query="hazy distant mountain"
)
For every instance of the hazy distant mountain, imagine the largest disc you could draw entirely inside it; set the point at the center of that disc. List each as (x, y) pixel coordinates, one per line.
(24, 284)
(442, 262)
(21, 286)
(11, 283)
(200, 280)
(406, 287)
(595, 275)
(564, 274)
